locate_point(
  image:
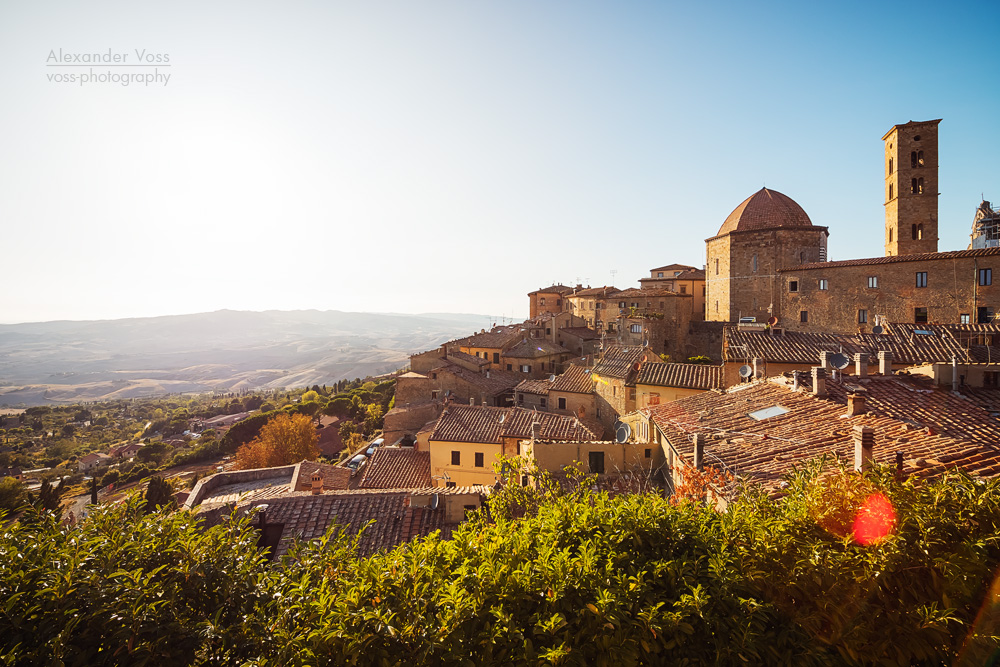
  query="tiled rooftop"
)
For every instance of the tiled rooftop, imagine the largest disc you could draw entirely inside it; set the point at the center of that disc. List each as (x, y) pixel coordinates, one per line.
(766, 209)
(497, 382)
(583, 333)
(397, 468)
(893, 259)
(619, 361)
(466, 423)
(686, 376)
(497, 338)
(596, 291)
(647, 293)
(575, 380)
(539, 387)
(934, 429)
(334, 477)
(671, 268)
(533, 348)
(906, 346)
(248, 491)
(557, 289)
(468, 358)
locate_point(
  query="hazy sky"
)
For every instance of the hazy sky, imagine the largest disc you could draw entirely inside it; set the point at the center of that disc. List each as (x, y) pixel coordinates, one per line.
(426, 156)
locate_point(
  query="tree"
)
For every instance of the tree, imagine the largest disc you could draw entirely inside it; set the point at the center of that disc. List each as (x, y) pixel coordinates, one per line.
(48, 499)
(12, 494)
(285, 439)
(159, 494)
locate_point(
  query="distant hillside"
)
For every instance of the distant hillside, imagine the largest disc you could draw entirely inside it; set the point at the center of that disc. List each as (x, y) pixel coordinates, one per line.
(64, 361)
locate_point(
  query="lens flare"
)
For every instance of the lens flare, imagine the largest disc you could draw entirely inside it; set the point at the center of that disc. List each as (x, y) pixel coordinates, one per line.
(875, 520)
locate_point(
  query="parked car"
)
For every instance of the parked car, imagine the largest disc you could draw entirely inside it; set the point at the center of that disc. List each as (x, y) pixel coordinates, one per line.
(357, 463)
(375, 445)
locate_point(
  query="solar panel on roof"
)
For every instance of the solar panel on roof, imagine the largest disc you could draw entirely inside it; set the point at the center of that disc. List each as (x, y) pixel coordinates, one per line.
(767, 413)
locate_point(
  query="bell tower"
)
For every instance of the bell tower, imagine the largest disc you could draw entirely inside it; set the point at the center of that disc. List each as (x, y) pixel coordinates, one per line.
(911, 188)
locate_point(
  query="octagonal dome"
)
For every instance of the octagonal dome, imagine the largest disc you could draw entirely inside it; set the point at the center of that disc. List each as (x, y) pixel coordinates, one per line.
(765, 209)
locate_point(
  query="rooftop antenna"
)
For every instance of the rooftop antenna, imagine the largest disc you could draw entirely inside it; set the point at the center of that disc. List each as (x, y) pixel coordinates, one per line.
(614, 272)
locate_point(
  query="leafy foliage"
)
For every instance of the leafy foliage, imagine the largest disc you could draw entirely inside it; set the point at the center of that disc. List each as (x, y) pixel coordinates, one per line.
(283, 440)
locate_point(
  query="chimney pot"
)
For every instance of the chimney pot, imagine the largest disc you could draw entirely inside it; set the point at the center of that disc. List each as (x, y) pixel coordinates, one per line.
(795, 380)
(758, 367)
(699, 451)
(317, 483)
(856, 404)
(824, 360)
(819, 381)
(861, 364)
(864, 443)
(885, 362)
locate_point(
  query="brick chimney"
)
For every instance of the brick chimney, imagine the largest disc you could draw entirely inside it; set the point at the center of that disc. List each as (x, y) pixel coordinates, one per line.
(317, 483)
(699, 451)
(819, 381)
(885, 362)
(864, 442)
(861, 364)
(824, 360)
(536, 430)
(856, 403)
(758, 367)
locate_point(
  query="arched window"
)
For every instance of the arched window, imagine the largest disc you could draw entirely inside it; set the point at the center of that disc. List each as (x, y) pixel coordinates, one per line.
(890, 191)
(913, 158)
(920, 186)
(755, 263)
(802, 258)
(920, 158)
(913, 186)
(890, 235)
(890, 166)
(920, 231)
(913, 232)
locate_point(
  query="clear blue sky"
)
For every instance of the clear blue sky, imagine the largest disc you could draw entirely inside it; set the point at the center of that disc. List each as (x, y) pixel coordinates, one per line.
(422, 156)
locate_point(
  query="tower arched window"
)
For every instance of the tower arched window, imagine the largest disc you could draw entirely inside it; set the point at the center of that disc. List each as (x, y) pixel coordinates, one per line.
(920, 158)
(920, 186)
(920, 231)
(755, 263)
(913, 158)
(913, 232)
(890, 191)
(913, 186)
(890, 166)
(890, 235)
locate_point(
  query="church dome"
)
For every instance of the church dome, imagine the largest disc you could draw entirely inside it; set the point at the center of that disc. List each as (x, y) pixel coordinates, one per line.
(765, 209)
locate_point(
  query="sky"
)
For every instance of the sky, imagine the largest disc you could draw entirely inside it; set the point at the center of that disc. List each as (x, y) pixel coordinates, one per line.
(451, 156)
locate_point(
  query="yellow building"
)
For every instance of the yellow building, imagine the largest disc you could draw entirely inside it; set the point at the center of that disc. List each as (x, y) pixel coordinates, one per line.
(659, 382)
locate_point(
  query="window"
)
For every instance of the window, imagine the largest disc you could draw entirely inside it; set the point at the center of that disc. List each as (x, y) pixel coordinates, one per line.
(659, 274)
(509, 367)
(916, 186)
(562, 403)
(450, 485)
(648, 454)
(634, 304)
(965, 318)
(434, 393)
(803, 316)
(754, 264)
(654, 398)
(716, 267)
(684, 289)
(542, 301)
(558, 302)
(921, 279)
(621, 304)
(920, 315)
(862, 317)
(793, 285)
(525, 368)
(985, 276)
(456, 458)
(636, 328)
(543, 401)
(434, 376)
(890, 165)
(890, 235)
(520, 399)
(824, 284)
(596, 463)
(873, 282)
(716, 306)
(890, 191)
(984, 315)
(920, 159)
(479, 459)
(913, 158)
(496, 357)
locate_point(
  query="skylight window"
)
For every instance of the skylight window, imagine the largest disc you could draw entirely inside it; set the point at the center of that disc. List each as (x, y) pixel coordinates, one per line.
(767, 413)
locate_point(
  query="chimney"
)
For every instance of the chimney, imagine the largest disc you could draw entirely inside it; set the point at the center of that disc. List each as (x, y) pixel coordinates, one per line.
(861, 364)
(824, 360)
(317, 483)
(856, 404)
(487, 373)
(699, 451)
(536, 430)
(819, 381)
(795, 380)
(758, 367)
(885, 362)
(864, 442)
(472, 400)
(954, 373)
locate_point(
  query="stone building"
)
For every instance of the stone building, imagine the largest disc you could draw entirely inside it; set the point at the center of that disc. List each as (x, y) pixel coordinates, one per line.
(911, 188)
(548, 300)
(681, 279)
(767, 232)
(589, 304)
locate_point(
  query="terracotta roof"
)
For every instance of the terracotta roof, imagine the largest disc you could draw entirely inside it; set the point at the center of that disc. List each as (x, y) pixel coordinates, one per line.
(646, 292)
(595, 291)
(619, 361)
(94, 456)
(497, 382)
(397, 468)
(687, 376)
(766, 209)
(912, 123)
(673, 267)
(933, 428)
(498, 337)
(906, 346)
(557, 289)
(469, 358)
(306, 516)
(540, 387)
(466, 423)
(334, 477)
(533, 348)
(583, 333)
(574, 380)
(893, 259)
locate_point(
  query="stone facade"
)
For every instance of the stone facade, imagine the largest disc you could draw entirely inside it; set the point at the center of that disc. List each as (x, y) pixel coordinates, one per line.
(843, 297)
(911, 188)
(548, 300)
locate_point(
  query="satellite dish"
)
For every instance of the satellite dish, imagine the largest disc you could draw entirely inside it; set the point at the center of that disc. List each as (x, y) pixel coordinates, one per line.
(745, 371)
(552, 378)
(622, 433)
(840, 361)
(773, 321)
(877, 329)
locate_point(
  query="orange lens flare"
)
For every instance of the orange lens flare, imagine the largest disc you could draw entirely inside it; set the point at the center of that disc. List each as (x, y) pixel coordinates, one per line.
(875, 520)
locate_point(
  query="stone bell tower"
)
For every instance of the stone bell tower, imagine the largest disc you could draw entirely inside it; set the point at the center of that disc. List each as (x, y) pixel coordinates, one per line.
(911, 188)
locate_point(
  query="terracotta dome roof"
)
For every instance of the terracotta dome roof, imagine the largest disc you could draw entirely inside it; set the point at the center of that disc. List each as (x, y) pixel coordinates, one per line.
(765, 209)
